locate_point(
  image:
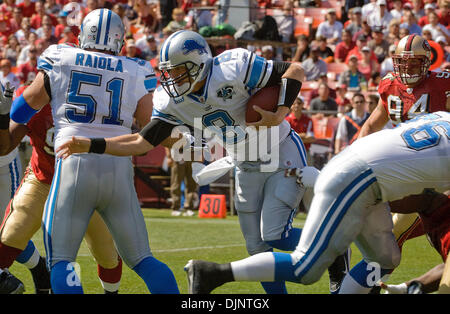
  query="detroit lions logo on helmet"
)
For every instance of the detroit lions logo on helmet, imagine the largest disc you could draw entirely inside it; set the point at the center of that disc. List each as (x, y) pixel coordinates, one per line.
(192, 45)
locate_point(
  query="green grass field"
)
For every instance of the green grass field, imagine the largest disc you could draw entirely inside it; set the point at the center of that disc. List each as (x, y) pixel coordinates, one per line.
(175, 240)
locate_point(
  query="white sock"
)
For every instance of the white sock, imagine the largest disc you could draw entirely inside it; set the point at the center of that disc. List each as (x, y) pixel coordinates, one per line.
(259, 267)
(350, 286)
(33, 260)
(110, 287)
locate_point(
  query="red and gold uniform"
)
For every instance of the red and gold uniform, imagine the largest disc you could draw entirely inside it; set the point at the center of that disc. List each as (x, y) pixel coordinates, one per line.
(403, 103)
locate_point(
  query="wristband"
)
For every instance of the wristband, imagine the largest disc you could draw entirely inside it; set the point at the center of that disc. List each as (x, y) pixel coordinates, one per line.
(288, 92)
(98, 145)
(21, 112)
(4, 121)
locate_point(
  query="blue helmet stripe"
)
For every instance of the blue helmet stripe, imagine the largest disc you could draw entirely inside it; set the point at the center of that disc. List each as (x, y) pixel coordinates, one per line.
(99, 28)
(108, 21)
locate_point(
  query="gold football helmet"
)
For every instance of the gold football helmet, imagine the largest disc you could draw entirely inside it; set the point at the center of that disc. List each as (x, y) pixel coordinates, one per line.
(412, 59)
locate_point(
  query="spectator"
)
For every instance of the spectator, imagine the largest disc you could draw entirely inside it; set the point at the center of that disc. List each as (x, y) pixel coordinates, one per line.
(331, 28)
(323, 102)
(28, 70)
(368, 9)
(417, 9)
(41, 45)
(357, 50)
(37, 18)
(5, 26)
(372, 102)
(181, 171)
(356, 24)
(28, 8)
(350, 124)
(201, 17)
(267, 52)
(286, 21)
(443, 42)
(387, 65)
(429, 7)
(404, 31)
(91, 5)
(366, 31)
(393, 35)
(177, 23)
(426, 33)
(16, 20)
(352, 77)
(120, 10)
(397, 11)
(341, 99)
(62, 24)
(325, 52)
(343, 48)
(68, 37)
(435, 27)
(166, 7)
(148, 47)
(7, 7)
(302, 52)
(323, 78)
(380, 17)
(146, 15)
(11, 50)
(6, 76)
(378, 44)
(51, 7)
(410, 23)
(47, 33)
(366, 65)
(46, 20)
(23, 56)
(302, 124)
(444, 13)
(313, 66)
(131, 50)
(374, 81)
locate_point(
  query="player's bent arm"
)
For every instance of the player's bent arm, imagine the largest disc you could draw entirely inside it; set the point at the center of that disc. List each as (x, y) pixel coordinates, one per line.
(11, 138)
(31, 101)
(377, 120)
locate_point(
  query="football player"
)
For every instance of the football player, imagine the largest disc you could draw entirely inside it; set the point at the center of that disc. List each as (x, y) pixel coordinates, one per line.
(102, 93)
(194, 85)
(409, 91)
(434, 210)
(349, 206)
(24, 213)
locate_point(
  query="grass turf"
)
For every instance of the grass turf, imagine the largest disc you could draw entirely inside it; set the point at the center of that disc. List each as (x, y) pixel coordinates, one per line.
(175, 240)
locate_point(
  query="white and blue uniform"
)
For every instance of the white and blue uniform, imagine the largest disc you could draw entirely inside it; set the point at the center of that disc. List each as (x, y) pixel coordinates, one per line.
(93, 95)
(265, 199)
(10, 177)
(351, 191)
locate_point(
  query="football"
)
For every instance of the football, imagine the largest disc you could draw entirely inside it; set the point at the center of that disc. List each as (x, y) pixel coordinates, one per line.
(266, 98)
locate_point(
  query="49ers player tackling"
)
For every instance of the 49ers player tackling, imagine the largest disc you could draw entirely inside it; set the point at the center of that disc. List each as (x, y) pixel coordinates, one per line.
(409, 91)
(24, 213)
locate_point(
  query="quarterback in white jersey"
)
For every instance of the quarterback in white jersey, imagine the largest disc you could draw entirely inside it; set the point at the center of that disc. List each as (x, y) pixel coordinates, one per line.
(349, 205)
(94, 92)
(211, 94)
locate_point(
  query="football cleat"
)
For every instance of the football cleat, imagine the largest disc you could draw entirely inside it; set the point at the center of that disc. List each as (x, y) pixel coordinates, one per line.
(202, 276)
(9, 284)
(338, 270)
(189, 213)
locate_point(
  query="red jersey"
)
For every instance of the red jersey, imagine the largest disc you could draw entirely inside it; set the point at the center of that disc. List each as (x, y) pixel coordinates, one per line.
(41, 133)
(402, 103)
(437, 227)
(302, 125)
(26, 72)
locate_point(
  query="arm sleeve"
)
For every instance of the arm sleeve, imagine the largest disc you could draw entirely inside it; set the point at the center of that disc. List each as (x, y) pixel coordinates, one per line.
(157, 131)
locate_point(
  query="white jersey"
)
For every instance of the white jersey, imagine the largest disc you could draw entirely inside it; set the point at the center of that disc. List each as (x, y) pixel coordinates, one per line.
(420, 158)
(94, 94)
(235, 75)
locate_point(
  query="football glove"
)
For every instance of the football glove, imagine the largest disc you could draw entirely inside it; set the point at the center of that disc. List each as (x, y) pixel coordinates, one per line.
(306, 176)
(6, 99)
